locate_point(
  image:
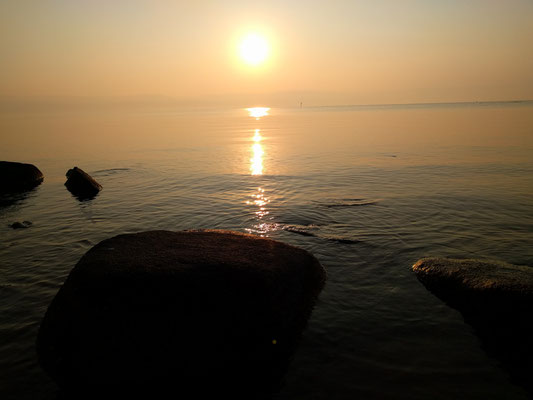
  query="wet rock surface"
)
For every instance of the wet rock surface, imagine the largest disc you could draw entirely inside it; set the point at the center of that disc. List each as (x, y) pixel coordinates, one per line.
(18, 177)
(21, 225)
(193, 311)
(496, 299)
(81, 184)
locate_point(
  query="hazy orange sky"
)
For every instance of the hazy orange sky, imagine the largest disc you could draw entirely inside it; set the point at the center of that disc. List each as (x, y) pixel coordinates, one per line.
(321, 52)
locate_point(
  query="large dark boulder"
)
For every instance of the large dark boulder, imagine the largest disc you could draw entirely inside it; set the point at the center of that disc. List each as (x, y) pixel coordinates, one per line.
(18, 177)
(193, 311)
(81, 184)
(496, 299)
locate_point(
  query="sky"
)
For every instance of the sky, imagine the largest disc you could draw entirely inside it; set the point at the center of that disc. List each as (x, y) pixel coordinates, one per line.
(320, 52)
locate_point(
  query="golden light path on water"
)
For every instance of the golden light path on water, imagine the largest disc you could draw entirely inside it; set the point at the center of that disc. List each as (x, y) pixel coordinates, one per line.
(258, 112)
(259, 199)
(256, 162)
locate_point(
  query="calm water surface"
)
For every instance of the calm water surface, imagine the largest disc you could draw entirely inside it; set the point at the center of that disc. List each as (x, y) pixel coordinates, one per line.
(372, 188)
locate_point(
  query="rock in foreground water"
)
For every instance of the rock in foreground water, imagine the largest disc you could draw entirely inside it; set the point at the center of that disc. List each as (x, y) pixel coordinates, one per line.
(471, 283)
(18, 177)
(193, 311)
(81, 184)
(21, 225)
(496, 299)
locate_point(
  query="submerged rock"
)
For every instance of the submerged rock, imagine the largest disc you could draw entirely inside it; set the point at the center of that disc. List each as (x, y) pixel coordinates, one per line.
(81, 184)
(304, 230)
(496, 299)
(18, 177)
(21, 225)
(192, 311)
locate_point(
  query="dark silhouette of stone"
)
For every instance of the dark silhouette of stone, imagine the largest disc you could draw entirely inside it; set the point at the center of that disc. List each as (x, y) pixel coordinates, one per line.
(496, 299)
(191, 312)
(81, 184)
(18, 177)
(21, 225)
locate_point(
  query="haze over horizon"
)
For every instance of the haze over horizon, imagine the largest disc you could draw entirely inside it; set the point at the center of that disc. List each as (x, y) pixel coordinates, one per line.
(344, 52)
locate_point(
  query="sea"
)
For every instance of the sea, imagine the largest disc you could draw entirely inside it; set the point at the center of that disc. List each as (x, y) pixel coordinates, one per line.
(368, 190)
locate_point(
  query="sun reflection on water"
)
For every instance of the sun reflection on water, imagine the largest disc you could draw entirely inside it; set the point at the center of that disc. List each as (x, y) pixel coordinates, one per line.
(256, 162)
(258, 112)
(260, 201)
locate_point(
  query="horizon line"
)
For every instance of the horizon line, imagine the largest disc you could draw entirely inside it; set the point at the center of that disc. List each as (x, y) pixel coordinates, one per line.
(116, 99)
(437, 103)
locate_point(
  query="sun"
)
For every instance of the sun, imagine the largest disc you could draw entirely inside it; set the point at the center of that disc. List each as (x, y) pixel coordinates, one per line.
(254, 49)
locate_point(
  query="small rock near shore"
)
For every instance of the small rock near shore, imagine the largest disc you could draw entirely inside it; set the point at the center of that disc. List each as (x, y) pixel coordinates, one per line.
(21, 225)
(81, 184)
(188, 311)
(18, 177)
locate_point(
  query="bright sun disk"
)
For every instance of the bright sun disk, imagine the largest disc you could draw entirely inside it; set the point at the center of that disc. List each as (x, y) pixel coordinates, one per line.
(254, 49)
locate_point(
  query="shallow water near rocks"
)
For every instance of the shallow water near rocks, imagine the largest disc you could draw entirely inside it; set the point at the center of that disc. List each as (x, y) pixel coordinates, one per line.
(367, 190)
